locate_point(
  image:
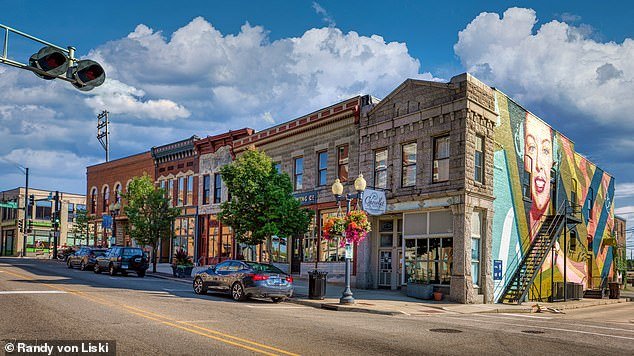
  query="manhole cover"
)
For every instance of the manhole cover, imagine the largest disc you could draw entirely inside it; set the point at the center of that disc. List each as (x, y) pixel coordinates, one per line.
(446, 331)
(533, 331)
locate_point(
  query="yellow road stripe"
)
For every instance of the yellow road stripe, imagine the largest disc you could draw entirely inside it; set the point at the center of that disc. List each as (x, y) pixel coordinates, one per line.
(162, 319)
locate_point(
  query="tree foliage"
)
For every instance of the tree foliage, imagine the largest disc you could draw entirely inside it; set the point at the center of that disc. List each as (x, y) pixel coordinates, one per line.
(262, 203)
(81, 227)
(149, 213)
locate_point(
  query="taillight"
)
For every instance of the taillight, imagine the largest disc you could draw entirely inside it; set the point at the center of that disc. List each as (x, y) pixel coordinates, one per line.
(119, 259)
(289, 279)
(259, 277)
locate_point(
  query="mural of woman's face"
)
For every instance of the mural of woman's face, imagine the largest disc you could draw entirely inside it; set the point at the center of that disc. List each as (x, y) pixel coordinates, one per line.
(538, 159)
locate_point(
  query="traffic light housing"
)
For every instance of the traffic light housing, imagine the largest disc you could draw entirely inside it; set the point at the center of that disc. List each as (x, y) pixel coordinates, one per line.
(51, 60)
(20, 225)
(29, 228)
(31, 200)
(88, 74)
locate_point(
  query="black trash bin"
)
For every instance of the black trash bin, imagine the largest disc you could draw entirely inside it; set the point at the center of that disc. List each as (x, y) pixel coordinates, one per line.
(615, 292)
(316, 284)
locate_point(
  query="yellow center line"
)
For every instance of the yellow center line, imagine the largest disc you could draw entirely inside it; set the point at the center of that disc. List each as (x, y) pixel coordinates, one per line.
(209, 333)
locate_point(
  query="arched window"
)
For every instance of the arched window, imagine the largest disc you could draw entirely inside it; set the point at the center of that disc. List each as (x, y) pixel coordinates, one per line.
(106, 199)
(93, 201)
(117, 193)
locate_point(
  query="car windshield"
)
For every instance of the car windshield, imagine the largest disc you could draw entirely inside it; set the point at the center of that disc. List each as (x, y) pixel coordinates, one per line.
(98, 253)
(129, 252)
(260, 267)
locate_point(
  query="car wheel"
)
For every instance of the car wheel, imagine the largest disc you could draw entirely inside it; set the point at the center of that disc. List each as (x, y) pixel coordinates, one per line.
(68, 264)
(96, 269)
(112, 271)
(140, 274)
(199, 288)
(237, 292)
(82, 266)
(278, 299)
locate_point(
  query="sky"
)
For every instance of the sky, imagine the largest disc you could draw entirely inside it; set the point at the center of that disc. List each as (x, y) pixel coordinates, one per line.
(199, 67)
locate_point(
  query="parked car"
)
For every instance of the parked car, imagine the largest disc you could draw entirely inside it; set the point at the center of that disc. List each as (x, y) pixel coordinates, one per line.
(122, 259)
(243, 279)
(85, 257)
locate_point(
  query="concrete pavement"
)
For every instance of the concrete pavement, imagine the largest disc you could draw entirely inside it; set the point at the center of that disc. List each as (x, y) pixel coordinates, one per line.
(44, 300)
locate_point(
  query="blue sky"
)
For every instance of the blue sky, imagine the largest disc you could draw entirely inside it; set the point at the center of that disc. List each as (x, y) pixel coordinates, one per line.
(179, 68)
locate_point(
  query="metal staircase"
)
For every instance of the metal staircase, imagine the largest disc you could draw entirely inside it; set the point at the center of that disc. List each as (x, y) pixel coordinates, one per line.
(549, 232)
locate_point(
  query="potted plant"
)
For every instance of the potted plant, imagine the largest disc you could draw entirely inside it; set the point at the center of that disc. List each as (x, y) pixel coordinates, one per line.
(419, 288)
(183, 264)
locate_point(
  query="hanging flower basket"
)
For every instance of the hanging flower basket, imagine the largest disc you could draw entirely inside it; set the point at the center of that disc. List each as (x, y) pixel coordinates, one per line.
(357, 226)
(334, 227)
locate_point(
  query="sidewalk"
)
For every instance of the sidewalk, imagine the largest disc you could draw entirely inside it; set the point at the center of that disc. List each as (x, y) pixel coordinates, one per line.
(388, 302)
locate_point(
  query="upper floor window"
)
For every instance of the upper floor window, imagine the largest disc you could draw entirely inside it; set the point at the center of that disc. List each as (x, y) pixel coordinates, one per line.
(478, 159)
(181, 191)
(106, 199)
(278, 167)
(217, 188)
(342, 163)
(71, 212)
(441, 159)
(206, 188)
(590, 202)
(93, 201)
(170, 191)
(43, 210)
(117, 193)
(408, 174)
(322, 168)
(299, 173)
(380, 168)
(189, 197)
(573, 193)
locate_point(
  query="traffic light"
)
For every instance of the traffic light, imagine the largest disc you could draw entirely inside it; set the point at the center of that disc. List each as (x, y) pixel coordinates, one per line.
(20, 225)
(85, 74)
(55, 220)
(29, 228)
(31, 200)
(51, 60)
(88, 74)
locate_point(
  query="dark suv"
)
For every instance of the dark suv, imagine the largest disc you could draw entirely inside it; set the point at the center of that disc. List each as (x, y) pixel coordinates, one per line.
(122, 259)
(85, 258)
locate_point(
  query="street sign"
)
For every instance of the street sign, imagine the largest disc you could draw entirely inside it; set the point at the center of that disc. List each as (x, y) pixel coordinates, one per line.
(106, 223)
(307, 198)
(497, 270)
(374, 202)
(348, 250)
(9, 205)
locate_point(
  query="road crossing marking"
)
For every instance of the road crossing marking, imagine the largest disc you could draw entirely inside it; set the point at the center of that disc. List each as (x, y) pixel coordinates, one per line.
(554, 321)
(209, 333)
(32, 292)
(526, 316)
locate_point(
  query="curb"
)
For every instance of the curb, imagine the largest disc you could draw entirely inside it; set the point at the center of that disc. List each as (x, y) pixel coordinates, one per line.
(338, 307)
(599, 302)
(160, 276)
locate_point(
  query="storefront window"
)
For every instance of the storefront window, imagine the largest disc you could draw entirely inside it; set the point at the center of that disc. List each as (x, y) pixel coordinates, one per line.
(279, 246)
(329, 251)
(475, 247)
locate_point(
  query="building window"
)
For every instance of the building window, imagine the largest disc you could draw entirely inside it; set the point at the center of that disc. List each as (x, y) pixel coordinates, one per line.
(206, 188)
(181, 191)
(322, 168)
(342, 163)
(590, 203)
(170, 191)
(278, 167)
(117, 193)
(106, 199)
(476, 232)
(478, 159)
(441, 159)
(299, 172)
(408, 174)
(93, 201)
(280, 250)
(380, 169)
(71, 212)
(217, 188)
(189, 198)
(43, 210)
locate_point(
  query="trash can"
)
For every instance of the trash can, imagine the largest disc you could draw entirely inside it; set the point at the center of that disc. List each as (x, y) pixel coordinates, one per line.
(316, 284)
(615, 292)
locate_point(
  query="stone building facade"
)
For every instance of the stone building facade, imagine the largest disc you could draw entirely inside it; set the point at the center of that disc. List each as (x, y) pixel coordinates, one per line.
(106, 182)
(40, 238)
(418, 146)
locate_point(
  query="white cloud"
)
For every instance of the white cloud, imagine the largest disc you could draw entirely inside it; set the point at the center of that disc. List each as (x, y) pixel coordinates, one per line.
(325, 16)
(49, 162)
(555, 63)
(624, 190)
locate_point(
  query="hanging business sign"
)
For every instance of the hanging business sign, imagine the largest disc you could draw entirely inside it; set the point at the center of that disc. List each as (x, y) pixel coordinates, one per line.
(497, 270)
(374, 202)
(106, 223)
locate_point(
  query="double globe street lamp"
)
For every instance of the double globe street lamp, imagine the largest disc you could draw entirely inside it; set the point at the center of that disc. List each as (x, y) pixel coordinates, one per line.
(337, 191)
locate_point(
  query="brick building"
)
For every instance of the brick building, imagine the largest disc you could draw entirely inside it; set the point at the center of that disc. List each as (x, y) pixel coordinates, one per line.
(106, 182)
(176, 171)
(216, 242)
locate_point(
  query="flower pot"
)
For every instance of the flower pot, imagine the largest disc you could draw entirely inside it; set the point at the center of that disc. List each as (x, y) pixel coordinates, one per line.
(420, 291)
(438, 296)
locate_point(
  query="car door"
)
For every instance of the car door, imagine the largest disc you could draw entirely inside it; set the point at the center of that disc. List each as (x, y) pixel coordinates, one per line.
(224, 276)
(215, 275)
(102, 261)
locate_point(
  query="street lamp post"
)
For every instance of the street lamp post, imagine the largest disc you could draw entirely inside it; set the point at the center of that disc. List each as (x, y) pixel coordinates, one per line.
(337, 191)
(114, 211)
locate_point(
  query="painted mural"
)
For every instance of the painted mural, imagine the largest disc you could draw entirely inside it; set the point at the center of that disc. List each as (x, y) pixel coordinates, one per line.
(536, 170)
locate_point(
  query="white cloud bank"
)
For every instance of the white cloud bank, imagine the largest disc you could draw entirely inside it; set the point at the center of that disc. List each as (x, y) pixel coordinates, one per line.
(555, 63)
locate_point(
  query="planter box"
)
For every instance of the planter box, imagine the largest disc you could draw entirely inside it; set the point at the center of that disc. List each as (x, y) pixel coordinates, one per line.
(420, 291)
(182, 271)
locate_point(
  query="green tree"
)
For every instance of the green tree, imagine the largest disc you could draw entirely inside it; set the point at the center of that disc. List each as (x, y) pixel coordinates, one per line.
(149, 214)
(262, 203)
(81, 227)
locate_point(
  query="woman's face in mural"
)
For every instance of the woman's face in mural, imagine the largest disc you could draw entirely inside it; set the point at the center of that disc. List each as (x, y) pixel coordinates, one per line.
(538, 159)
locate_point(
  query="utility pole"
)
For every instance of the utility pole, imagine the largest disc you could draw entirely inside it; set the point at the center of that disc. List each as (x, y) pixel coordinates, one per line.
(56, 220)
(26, 212)
(103, 136)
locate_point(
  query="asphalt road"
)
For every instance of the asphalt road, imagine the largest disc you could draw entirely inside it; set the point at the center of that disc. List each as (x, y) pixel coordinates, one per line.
(45, 300)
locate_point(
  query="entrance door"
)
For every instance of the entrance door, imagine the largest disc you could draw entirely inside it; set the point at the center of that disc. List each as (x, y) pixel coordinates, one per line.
(296, 255)
(385, 268)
